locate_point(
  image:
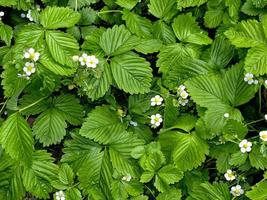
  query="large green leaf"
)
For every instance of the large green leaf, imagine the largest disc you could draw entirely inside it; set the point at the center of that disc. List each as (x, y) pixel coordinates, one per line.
(162, 8)
(101, 125)
(117, 40)
(58, 17)
(6, 33)
(49, 127)
(246, 34)
(37, 178)
(186, 29)
(16, 138)
(163, 32)
(256, 60)
(259, 191)
(138, 25)
(131, 73)
(62, 46)
(189, 3)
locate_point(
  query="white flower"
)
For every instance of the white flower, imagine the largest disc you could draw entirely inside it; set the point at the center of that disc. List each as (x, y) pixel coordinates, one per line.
(60, 195)
(182, 101)
(249, 78)
(156, 120)
(265, 116)
(226, 115)
(83, 59)
(126, 178)
(29, 68)
(31, 54)
(237, 190)
(181, 88)
(22, 15)
(1, 14)
(184, 94)
(75, 58)
(256, 82)
(263, 135)
(245, 146)
(265, 82)
(230, 175)
(92, 62)
(156, 100)
(29, 15)
(133, 123)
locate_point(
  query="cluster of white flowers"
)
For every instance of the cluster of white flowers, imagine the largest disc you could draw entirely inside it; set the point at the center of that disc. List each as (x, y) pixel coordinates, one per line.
(126, 178)
(156, 100)
(249, 78)
(181, 91)
(245, 146)
(60, 195)
(263, 135)
(29, 67)
(237, 191)
(29, 15)
(1, 15)
(89, 61)
(230, 175)
(156, 120)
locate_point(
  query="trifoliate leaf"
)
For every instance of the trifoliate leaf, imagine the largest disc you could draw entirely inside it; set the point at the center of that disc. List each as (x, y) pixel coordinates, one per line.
(58, 17)
(16, 138)
(187, 30)
(49, 127)
(131, 73)
(101, 125)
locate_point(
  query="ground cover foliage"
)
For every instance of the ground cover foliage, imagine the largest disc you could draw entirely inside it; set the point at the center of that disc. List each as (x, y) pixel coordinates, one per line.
(133, 99)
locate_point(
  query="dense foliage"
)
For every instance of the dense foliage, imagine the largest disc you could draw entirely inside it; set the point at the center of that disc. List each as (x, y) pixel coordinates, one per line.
(133, 99)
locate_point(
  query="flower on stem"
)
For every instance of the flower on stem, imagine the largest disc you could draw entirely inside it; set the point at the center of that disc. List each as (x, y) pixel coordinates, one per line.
(230, 175)
(29, 68)
(126, 178)
(182, 101)
(263, 135)
(89, 61)
(156, 100)
(249, 78)
(156, 120)
(60, 195)
(237, 191)
(31, 54)
(245, 146)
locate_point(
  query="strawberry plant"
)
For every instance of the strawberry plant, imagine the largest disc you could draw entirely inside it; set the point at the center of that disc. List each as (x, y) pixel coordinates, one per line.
(133, 99)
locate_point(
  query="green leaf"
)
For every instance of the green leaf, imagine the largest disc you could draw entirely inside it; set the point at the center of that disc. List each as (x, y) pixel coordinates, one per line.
(6, 33)
(49, 127)
(58, 17)
(8, 2)
(101, 125)
(80, 3)
(128, 4)
(163, 32)
(170, 194)
(11, 185)
(62, 46)
(70, 108)
(66, 175)
(138, 25)
(188, 150)
(213, 18)
(78, 150)
(148, 46)
(259, 191)
(117, 40)
(246, 34)
(189, 3)
(186, 29)
(256, 158)
(37, 178)
(131, 73)
(16, 138)
(172, 55)
(73, 194)
(164, 9)
(118, 190)
(256, 60)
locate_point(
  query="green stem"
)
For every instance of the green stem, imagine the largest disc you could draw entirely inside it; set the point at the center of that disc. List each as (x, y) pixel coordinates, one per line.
(151, 192)
(256, 121)
(76, 5)
(4, 105)
(34, 103)
(260, 100)
(109, 11)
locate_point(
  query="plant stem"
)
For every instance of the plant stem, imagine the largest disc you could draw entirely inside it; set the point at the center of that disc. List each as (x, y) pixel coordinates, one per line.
(109, 11)
(256, 121)
(4, 105)
(260, 100)
(34, 103)
(76, 5)
(151, 192)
